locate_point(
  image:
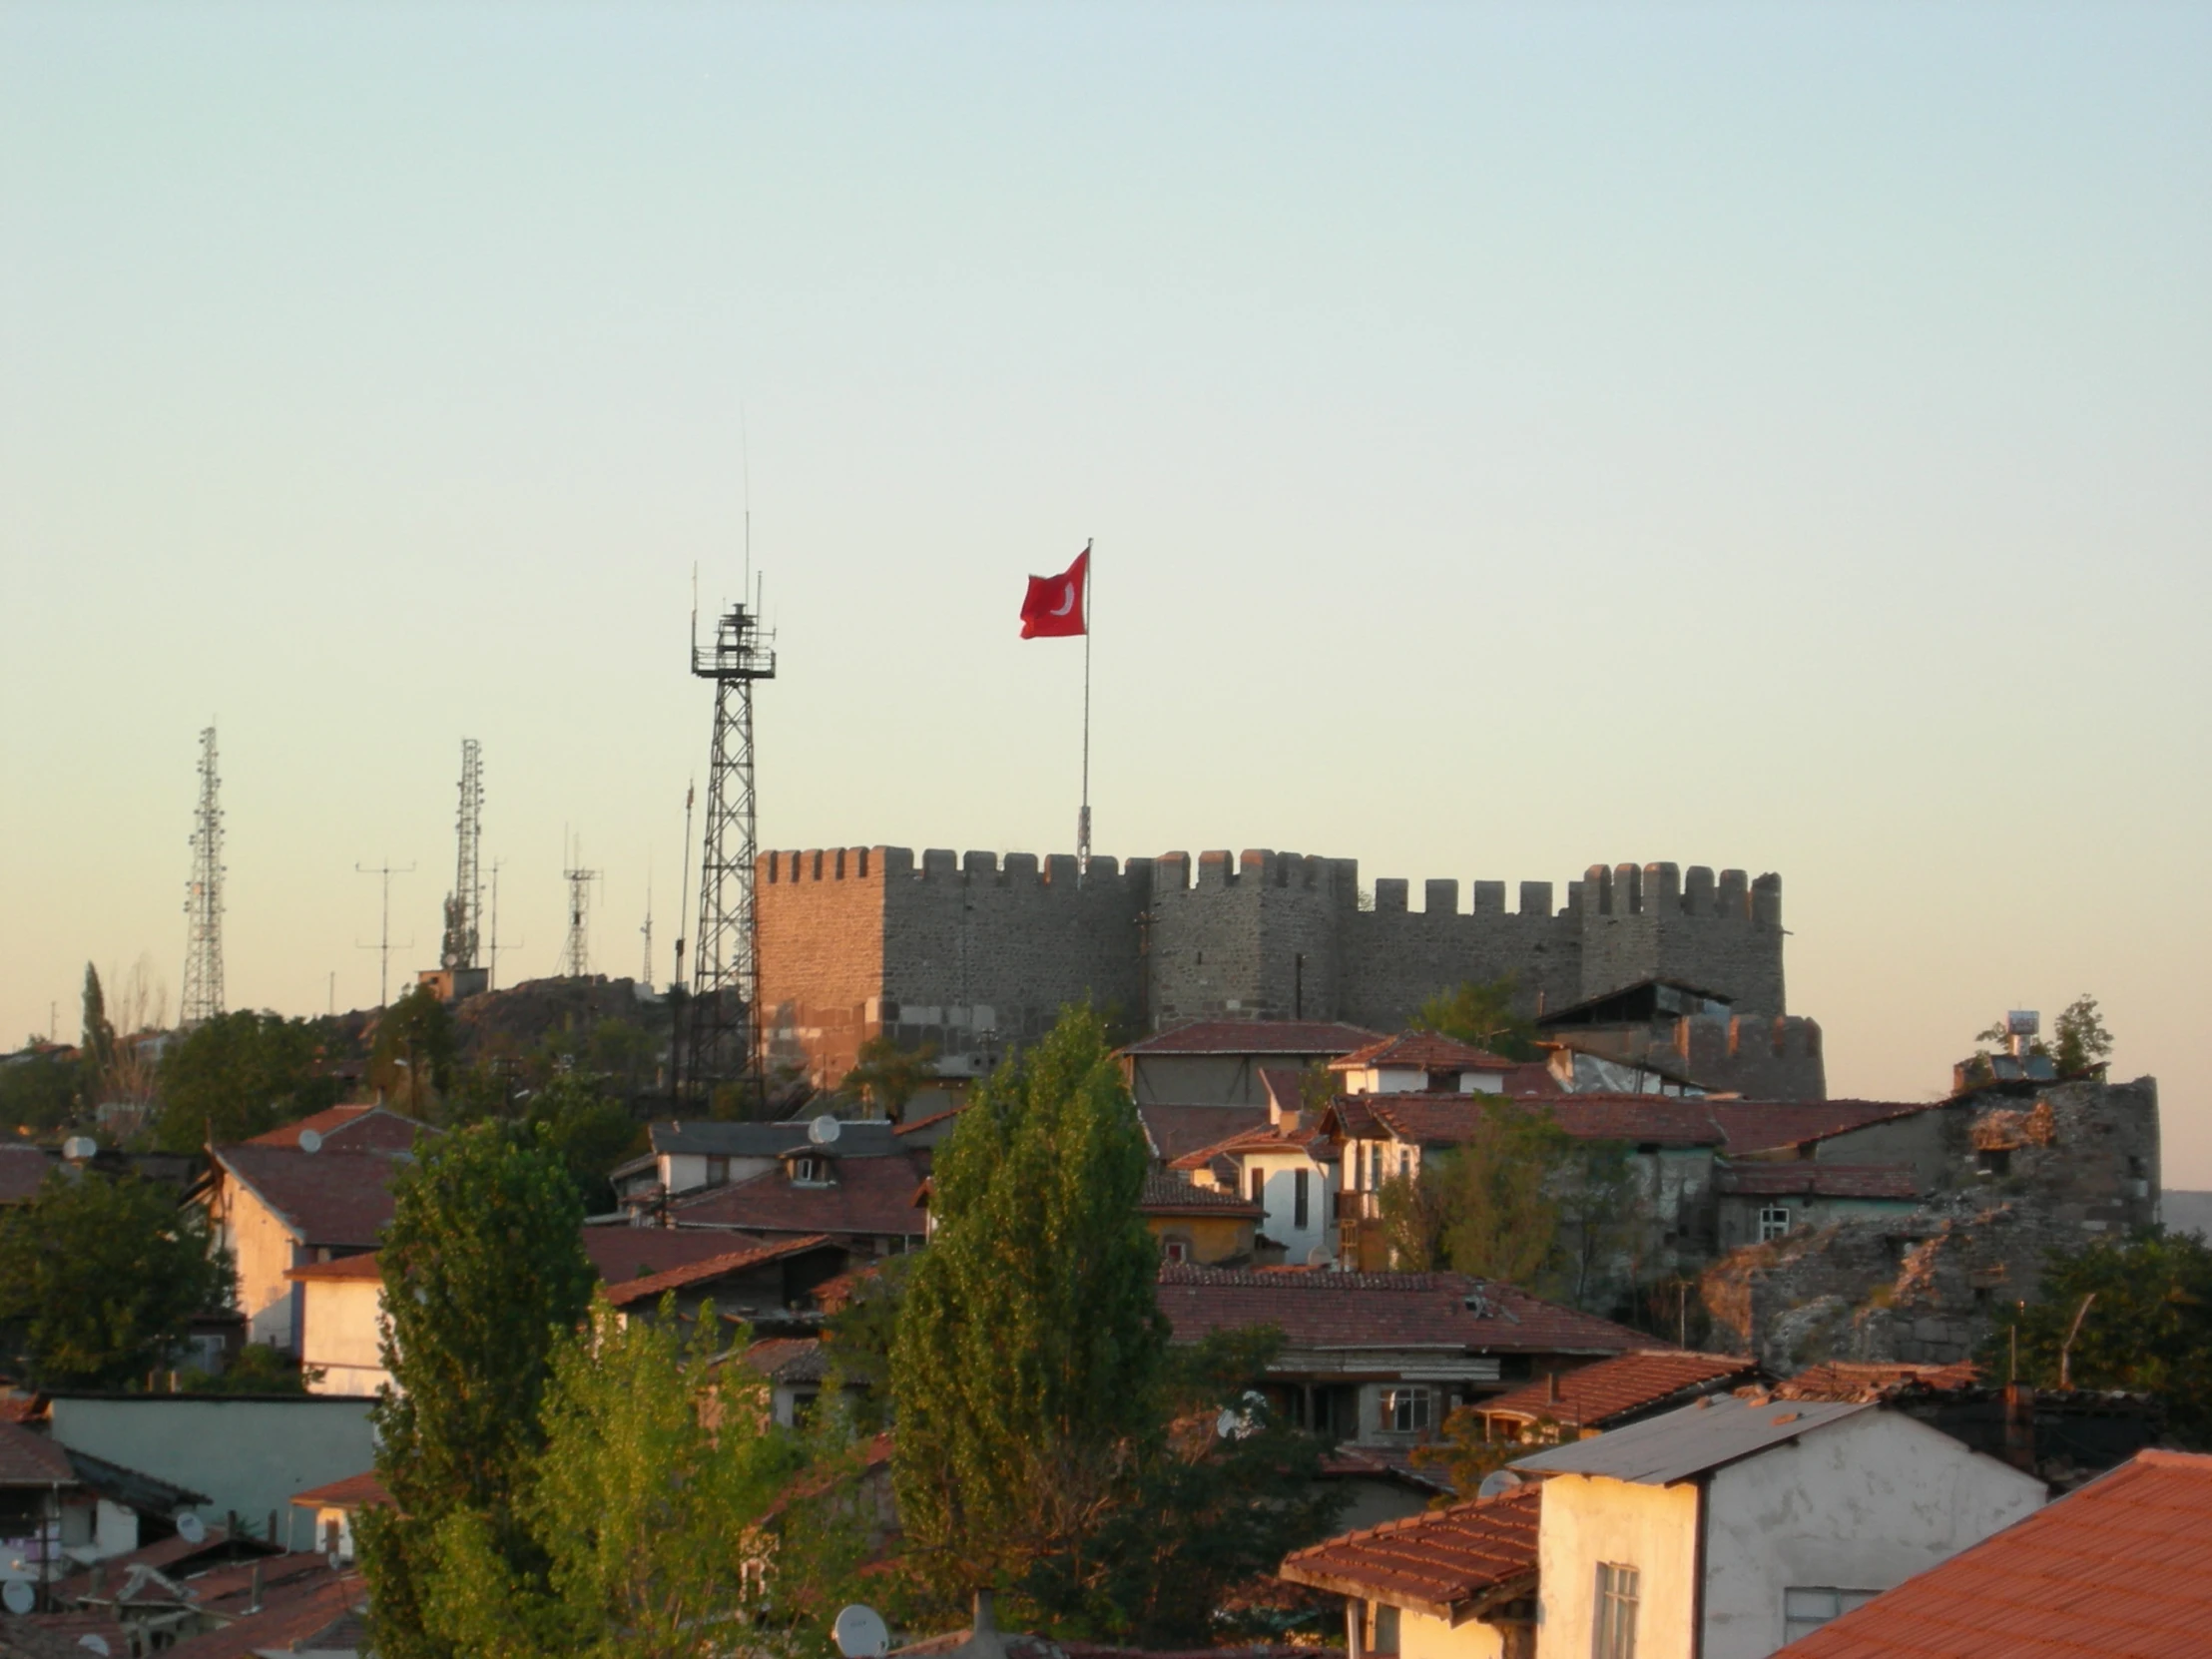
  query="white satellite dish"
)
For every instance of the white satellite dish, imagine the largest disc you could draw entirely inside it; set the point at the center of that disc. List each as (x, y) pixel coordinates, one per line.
(860, 1634)
(190, 1527)
(311, 1140)
(93, 1644)
(825, 1130)
(79, 1147)
(20, 1596)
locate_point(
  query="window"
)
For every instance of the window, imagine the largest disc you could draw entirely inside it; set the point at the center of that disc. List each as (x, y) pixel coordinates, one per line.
(1404, 1163)
(1774, 1221)
(811, 1171)
(1176, 1250)
(1299, 1183)
(1406, 1410)
(1259, 1187)
(1613, 1630)
(1385, 1629)
(1375, 1169)
(718, 1172)
(1805, 1608)
(1995, 1160)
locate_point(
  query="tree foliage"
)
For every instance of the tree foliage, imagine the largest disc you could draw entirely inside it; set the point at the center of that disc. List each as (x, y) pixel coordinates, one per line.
(412, 1061)
(590, 1132)
(2148, 1328)
(240, 1075)
(1484, 1207)
(100, 1278)
(40, 1092)
(1481, 1013)
(1030, 1344)
(98, 1041)
(642, 1508)
(2081, 1043)
(484, 1274)
(888, 1076)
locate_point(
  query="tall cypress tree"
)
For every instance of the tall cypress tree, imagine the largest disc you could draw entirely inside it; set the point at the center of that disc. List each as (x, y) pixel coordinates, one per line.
(1028, 1361)
(485, 1273)
(99, 1039)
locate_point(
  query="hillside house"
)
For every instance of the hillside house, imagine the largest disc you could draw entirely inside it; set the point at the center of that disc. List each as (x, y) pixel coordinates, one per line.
(1286, 1170)
(690, 1155)
(761, 1285)
(1198, 1224)
(1610, 1393)
(1424, 1062)
(869, 1201)
(1219, 1062)
(330, 1509)
(1723, 1529)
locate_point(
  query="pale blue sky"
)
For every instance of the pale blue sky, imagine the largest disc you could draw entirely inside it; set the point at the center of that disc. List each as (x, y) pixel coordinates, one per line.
(1515, 437)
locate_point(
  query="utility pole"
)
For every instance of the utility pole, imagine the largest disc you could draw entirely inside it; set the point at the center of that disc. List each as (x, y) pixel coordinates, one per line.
(203, 994)
(386, 871)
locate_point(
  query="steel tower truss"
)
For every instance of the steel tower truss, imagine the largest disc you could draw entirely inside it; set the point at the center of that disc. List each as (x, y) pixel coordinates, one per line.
(725, 1027)
(203, 997)
(464, 906)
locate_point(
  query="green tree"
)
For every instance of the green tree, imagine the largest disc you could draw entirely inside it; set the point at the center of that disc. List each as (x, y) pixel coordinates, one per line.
(1487, 1206)
(484, 1274)
(2148, 1326)
(861, 1335)
(40, 1092)
(240, 1075)
(412, 1061)
(1604, 1217)
(100, 1278)
(97, 1044)
(2083, 1044)
(1481, 1013)
(591, 1133)
(888, 1076)
(641, 1506)
(1029, 1349)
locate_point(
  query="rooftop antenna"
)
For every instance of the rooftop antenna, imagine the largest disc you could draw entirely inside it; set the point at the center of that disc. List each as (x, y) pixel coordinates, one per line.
(387, 870)
(464, 906)
(676, 986)
(491, 950)
(202, 990)
(576, 956)
(645, 976)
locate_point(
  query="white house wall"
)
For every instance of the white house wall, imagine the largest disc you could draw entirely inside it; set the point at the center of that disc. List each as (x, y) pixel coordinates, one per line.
(1861, 1504)
(1422, 1637)
(1588, 1520)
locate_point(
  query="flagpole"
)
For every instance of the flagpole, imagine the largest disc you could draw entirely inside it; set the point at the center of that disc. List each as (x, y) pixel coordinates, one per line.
(1083, 820)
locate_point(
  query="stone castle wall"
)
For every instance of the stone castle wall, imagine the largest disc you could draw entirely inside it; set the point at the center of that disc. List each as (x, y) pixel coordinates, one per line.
(974, 955)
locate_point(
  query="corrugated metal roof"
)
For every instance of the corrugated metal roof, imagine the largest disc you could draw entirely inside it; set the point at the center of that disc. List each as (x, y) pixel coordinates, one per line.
(2119, 1569)
(1721, 1428)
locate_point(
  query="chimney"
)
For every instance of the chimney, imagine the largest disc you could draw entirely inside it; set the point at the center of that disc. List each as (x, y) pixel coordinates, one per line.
(1551, 1387)
(2019, 1426)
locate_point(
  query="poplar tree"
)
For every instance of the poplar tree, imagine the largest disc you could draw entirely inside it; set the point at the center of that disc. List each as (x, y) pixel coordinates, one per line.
(484, 1276)
(1029, 1362)
(99, 1036)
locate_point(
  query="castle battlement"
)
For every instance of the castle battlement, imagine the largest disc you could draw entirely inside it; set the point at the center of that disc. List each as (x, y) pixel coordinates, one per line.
(881, 865)
(1664, 890)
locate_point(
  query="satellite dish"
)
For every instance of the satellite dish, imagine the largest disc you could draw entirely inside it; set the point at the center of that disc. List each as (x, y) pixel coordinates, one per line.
(1496, 1482)
(824, 1131)
(93, 1644)
(190, 1527)
(20, 1596)
(79, 1147)
(860, 1634)
(311, 1140)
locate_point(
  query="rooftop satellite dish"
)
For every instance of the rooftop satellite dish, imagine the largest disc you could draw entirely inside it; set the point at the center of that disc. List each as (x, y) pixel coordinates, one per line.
(79, 1147)
(311, 1140)
(190, 1527)
(19, 1595)
(824, 1131)
(1496, 1482)
(93, 1644)
(860, 1634)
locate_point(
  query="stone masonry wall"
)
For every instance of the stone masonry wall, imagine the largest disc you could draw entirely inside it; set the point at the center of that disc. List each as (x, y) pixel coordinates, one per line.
(2080, 1162)
(820, 919)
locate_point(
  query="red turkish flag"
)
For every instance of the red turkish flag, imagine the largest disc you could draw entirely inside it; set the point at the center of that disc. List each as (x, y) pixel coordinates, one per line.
(1054, 605)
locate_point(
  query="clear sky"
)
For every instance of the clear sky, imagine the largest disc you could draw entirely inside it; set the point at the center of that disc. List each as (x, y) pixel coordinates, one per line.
(1515, 437)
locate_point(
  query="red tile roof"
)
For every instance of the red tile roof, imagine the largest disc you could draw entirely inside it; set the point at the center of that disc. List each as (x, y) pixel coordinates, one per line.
(1808, 1178)
(360, 1266)
(1255, 1036)
(358, 1128)
(1670, 1120)
(327, 1198)
(1388, 1462)
(23, 1170)
(1168, 1195)
(292, 1613)
(59, 1635)
(621, 1254)
(1847, 1380)
(869, 1196)
(654, 1286)
(1432, 1311)
(1590, 1397)
(1175, 1130)
(165, 1554)
(789, 1359)
(1306, 1136)
(1423, 1051)
(355, 1491)
(1449, 1119)
(1436, 1563)
(2119, 1569)
(30, 1460)
(1764, 1125)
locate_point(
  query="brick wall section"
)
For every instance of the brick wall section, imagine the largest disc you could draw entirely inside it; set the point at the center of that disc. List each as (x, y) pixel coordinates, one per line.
(2083, 1163)
(820, 917)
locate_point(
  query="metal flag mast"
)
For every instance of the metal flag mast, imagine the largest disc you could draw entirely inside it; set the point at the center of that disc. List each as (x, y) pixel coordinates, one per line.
(1083, 818)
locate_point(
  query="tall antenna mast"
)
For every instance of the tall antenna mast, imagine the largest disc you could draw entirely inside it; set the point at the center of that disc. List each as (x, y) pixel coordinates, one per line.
(645, 976)
(576, 955)
(387, 870)
(492, 950)
(725, 1027)
(202, 994)
(464, 906)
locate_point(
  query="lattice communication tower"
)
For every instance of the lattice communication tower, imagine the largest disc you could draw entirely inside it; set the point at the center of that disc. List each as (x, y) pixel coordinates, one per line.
(725, 1027)
(464, 906)
(576, 955)
(203, 998)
